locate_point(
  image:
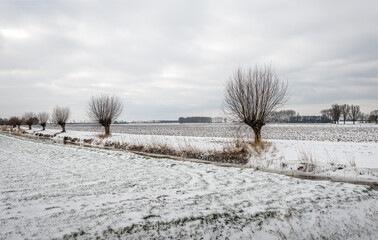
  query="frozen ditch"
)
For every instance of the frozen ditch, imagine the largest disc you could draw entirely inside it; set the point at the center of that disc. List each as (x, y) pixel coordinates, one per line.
(56, 191)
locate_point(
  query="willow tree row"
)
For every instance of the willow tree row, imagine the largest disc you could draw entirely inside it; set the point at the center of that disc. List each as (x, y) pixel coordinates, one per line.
(60, 116)
(102, 109)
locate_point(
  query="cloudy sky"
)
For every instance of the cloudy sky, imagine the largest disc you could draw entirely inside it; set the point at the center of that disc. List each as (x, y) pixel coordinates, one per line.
(167, 59)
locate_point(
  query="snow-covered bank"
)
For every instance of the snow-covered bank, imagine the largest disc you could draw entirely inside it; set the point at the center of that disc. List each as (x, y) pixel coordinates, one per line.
(342, 161)
(64, 191)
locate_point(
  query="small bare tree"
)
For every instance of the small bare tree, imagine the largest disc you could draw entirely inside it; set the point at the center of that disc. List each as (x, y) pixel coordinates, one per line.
(326, 114)
(30, 119)
(251, 95)
(4, 121)
(354, 112)
(15, 121)
(104, 109)
(335, 112)
(43, 117)
(60, 116)
(345, 109)
(363, 117)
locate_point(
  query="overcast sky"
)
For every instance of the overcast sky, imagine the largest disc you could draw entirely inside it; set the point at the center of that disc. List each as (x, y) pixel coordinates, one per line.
(167, 59)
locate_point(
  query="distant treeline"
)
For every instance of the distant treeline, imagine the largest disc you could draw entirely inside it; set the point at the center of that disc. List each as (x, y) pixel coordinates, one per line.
(333, 114)
(347, 112)
(195, 120)
(290, 116)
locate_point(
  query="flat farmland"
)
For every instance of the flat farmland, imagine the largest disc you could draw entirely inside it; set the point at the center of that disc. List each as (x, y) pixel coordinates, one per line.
(70, 192)
(307, 132)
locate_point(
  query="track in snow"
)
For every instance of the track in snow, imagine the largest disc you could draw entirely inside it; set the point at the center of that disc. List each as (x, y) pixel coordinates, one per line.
(54, 191)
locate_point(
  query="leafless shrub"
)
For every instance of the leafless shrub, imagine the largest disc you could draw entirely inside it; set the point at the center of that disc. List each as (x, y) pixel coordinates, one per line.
(351, 160)
(43, 117)
(263, 154)
(307, 161)
(30, 119)
(104, 109)
(333, 161)
(60, 116)
(251, 95)
(186, 150)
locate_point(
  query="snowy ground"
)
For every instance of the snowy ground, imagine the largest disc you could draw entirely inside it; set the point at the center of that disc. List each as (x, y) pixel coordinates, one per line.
(55, 191)
(309, 132)
(346, 161)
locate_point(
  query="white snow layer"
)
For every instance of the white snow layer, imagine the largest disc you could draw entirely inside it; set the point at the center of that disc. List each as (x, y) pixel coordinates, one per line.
(58, 191)
(350, 161)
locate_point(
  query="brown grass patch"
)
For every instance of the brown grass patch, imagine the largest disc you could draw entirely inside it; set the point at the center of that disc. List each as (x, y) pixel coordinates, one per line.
(103, 135)
(307, 161)
(16, 134)
(6, 128)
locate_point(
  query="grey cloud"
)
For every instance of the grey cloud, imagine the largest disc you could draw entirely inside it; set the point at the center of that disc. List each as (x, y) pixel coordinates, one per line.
(172, 58)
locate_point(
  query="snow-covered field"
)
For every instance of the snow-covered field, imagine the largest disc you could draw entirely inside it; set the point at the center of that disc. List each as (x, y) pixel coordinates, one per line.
(345, 161)
(302, 132)
(310, 132)
(61, 191)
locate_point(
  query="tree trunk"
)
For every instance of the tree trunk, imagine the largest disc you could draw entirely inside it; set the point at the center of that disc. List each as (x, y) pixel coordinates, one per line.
(344, 120)
(43, 126)
(257, 131)
(107, 130)
(30, 127)
(63, 127)
(353, 121)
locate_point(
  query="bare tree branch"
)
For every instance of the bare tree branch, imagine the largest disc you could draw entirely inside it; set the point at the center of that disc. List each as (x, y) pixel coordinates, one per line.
(30, 119)
(15, 121)
(43, 117)
(104, 109)
(60, 116)
(251, 95)
(355, 112)
(345, 109)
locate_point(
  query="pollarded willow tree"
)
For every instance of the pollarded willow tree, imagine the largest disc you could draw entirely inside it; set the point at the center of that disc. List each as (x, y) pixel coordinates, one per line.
(251, 95)
(60, 116)
(15, 121)
(104, 109)
(43, 117)
(30, 119)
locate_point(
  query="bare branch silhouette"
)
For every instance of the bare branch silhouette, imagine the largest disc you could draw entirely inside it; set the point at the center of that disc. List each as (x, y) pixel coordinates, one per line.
(104, 109)
(251, 95)
(60, 116)
(43, 117)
